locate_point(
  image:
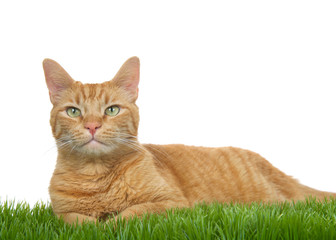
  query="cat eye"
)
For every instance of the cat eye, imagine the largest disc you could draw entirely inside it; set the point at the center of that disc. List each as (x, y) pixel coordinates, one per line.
(112, 110)
(73, 112)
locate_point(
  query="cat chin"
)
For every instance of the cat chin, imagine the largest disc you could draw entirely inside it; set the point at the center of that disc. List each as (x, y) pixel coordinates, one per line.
(96, 149)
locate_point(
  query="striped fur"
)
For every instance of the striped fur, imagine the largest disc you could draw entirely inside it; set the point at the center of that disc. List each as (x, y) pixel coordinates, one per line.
(119, 176)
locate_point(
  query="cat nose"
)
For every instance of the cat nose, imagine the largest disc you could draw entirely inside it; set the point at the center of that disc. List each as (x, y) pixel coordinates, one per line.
(92, 127)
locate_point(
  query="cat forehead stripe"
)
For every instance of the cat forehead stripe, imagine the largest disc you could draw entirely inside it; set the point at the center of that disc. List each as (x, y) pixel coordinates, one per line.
(91, 92)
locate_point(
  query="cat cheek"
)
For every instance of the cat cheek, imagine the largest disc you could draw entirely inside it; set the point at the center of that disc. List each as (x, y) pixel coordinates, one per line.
(57, 131)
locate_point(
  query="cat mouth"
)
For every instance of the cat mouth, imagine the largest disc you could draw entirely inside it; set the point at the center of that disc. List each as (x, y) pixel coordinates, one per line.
(94, 146)
(94, 143)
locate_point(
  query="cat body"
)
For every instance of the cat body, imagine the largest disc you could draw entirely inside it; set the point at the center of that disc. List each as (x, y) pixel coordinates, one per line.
(102, 170)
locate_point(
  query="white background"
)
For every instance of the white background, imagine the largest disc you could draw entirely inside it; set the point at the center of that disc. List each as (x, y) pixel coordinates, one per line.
(253, 74)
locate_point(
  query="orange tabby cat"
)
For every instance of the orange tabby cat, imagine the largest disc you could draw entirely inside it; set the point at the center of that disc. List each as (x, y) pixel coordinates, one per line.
(102, 170)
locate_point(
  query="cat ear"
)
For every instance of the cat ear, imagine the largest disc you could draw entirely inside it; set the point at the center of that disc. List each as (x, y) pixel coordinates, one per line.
(57, 79)
(127, 77)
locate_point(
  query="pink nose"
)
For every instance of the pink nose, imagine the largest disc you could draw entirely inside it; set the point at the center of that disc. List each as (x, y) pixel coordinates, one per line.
(92, 127)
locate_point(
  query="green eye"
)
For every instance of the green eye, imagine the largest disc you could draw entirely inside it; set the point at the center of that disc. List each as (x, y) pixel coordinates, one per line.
(112, 111)
(73, 112)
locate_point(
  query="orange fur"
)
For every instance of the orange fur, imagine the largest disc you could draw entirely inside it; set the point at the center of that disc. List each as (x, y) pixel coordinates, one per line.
(111, 173)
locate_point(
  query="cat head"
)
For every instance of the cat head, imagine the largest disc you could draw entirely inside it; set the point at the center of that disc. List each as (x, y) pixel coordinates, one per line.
(94, 119)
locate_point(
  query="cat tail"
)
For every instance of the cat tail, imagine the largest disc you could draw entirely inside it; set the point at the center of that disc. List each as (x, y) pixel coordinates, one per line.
(309, 192)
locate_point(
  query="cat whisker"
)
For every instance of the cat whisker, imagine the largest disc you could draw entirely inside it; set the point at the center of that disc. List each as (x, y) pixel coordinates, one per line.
(125, 134)
(132, 144)
(121, 134)
(73, 147)
(59, 142)
(64, 144)
(54, 147)
(159, 151)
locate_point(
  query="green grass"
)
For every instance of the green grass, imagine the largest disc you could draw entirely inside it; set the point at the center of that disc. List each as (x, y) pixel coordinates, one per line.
(303, 220)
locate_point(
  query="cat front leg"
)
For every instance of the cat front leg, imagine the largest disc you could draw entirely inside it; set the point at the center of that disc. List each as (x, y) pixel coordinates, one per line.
(76, 217)
(150, 207)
